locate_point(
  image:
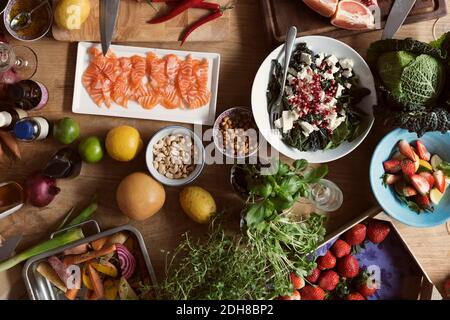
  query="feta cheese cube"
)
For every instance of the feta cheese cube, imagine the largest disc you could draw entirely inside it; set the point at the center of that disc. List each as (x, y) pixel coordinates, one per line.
(279, 123)
(346, 63)
(335, 69)
(331, 60)
(307, 128)
(286, 122)
(347, 73)
(302, 74)
(340, 88)
(328, 75)
(319, 59)
(306, 58)
(331, 103)
(348, 85)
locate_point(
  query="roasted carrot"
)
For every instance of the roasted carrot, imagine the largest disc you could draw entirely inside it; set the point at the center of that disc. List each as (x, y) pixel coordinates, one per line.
(96, 281)
(77, 259)
(9, 141)
(71, 294)
(82, 248)
(98, 244)
(90, 295)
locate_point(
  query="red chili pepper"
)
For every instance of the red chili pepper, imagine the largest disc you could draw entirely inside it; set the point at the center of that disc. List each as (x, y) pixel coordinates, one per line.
(199, 23)
(208, 6)
(183, 6)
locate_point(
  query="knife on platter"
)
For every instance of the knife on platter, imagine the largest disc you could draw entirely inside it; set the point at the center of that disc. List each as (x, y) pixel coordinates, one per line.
(109, 10)
(397, 16)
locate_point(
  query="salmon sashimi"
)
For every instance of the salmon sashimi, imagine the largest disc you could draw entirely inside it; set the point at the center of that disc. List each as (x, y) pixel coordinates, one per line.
(149, 81)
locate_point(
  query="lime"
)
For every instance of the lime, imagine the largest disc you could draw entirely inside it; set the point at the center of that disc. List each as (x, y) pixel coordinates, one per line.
(91, 149)
(123, 143)
(66, 130)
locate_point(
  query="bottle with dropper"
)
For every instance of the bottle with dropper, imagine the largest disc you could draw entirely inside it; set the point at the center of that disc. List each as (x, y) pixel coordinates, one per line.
(32, 128)
(9, 118)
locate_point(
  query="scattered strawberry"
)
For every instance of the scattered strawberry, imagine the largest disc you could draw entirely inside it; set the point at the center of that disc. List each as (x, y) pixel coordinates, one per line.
(404, 190)
(297, 281)
(355, 296)
(390, 179)
(423, 201)
(367, 290)
(348, 266)
(421, 184)
(328, 280)
(447, 288)
(294, 296)
(312, 293)
(408, 167)
(422, 151)
(405, 149)
(377, 231)
(392, 166)
(341, 248)
(314, 276)
(327, 261)
(439, 180)
(355, 235)
(429, 178)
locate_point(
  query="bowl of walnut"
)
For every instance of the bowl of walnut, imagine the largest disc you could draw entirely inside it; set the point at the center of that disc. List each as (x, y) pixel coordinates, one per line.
(235, 133)
(175, 156)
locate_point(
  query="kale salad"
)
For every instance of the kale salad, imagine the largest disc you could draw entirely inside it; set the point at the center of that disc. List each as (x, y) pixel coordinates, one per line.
(319, 102)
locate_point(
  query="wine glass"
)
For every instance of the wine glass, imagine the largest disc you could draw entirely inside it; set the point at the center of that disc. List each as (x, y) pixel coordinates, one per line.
(441, 26)
(21, 59)
(326, 195)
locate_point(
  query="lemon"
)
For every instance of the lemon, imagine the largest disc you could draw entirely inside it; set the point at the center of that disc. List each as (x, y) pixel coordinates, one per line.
(123, 143)
(71, 14)
(198, 204)
(435, 196)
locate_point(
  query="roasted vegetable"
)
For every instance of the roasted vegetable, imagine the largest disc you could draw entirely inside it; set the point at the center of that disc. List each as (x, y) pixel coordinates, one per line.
(126, 292)
(78, 259)
(50, 274)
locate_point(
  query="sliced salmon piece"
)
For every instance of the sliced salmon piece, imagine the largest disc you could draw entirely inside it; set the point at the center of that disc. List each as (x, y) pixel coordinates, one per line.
(170, 97)
(120, 91)
(156, 71)
(138, 71)
(185, 79)
(90, 75)
(353, 15)
(148, 102)
(325, 8)
(201, 72)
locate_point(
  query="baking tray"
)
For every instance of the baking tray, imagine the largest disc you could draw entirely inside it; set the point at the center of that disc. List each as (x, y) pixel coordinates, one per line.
(402, 277)
(39, 288)
(280, 14)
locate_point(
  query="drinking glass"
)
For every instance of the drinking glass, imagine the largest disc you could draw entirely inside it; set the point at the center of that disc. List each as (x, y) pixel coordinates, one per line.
(441, 26)
(326, 195)
(21, 59)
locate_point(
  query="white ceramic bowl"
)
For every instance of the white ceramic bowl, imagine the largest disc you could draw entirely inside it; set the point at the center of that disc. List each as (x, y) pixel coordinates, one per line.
(259, 99)
(149, 156)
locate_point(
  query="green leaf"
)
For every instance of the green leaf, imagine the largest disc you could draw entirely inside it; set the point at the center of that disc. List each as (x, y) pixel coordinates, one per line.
(316, 174)
(283, 169)
(445, 167)
(340, 134)
(300, 165)
(291, 184)
(255, 214)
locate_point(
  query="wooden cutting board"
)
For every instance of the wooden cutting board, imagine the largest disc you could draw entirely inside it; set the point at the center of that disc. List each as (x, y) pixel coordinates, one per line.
(280, 14)
(132, 26)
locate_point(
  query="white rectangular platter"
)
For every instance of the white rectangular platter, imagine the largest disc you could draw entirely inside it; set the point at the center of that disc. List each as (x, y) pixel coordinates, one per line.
(83, 104)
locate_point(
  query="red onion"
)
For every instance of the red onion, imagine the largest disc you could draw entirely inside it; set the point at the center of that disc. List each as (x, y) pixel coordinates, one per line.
(127, 261)
(40, 190)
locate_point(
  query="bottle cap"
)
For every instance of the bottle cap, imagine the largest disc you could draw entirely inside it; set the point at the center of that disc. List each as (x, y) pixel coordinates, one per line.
(5, 119)
(24, 130)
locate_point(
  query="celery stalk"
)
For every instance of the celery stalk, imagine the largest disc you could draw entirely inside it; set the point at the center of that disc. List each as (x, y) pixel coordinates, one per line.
(56, 242)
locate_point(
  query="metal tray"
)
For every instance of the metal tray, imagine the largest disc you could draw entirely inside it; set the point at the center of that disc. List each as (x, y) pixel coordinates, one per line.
(39, 288)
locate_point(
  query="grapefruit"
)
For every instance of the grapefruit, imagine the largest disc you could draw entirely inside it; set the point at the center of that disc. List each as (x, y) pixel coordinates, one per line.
(353, 15)
(325, 8)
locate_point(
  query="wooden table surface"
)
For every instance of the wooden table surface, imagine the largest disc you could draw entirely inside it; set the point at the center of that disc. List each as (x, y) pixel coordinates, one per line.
(242, 54)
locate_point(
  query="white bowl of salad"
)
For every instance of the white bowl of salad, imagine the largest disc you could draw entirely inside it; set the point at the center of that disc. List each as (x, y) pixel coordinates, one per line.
(327, 104)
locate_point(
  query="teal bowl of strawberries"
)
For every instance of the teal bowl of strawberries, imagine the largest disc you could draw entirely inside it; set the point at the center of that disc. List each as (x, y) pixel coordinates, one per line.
(409, 177)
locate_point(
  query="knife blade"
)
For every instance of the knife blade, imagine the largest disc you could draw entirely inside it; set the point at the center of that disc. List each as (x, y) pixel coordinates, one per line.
(7, 248)
(109, 10)
(397, 16)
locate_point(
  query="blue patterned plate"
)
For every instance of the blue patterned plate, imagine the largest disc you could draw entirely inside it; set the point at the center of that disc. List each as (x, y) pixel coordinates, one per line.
(436, 143)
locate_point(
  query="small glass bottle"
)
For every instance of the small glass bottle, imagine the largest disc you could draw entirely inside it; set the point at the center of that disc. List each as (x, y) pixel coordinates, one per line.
(32, 128)
(28, 94)
(66, 163)
(10, 117)
(326, 195)
(11, 198)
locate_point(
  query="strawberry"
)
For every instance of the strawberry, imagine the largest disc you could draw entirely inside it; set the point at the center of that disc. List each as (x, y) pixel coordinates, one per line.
(367, 290)
(423, 201)
(328, 280)
(355, 296)
(377, 231)
(421, 184)
(366, 285)
(313, 276)
(392, 166)
(355, 235)
(422, 151)
(341, 248)
(297, 281)
(447, 288)
(408, 167)
(429, 178)
(404, 190)
(405, 149)
(327, 261)
(439, 180)
(294, 296)
(390, 179)
(348, 266)
(312, 293)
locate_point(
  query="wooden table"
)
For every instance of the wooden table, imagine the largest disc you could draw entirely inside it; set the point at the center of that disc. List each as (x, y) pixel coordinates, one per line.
(241, 57)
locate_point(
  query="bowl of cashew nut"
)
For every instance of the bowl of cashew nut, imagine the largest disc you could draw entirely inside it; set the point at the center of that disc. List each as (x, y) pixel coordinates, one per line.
(175, 156)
